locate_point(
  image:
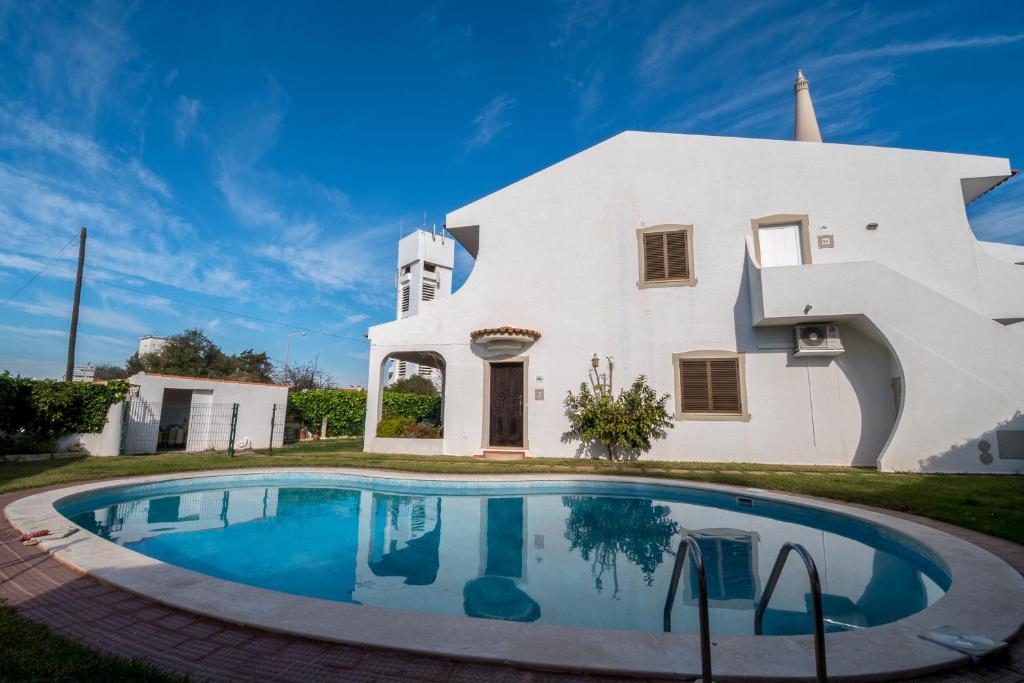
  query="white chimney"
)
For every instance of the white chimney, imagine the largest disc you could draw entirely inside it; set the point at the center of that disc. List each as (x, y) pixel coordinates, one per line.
(806, 123)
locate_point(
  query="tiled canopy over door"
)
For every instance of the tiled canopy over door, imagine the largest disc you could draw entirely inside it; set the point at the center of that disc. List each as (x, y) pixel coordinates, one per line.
(780, 245)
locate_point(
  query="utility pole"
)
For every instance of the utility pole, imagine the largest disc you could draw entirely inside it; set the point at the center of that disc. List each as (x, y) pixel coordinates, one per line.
(72, 337)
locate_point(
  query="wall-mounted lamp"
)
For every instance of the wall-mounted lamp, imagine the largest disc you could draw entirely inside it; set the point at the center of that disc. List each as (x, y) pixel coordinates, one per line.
(872, 226)
(595, 361)
(807, 309)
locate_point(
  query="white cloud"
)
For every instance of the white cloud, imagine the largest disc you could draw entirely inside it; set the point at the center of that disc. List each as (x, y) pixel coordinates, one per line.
(693, 27)
(491, 120)
(921, 47)
(186, 114)
(124, 204)
(248, 324)
(999, 216)
(75, 58)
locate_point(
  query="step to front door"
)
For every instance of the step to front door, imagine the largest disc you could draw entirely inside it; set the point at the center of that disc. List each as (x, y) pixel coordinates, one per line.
(502, 454)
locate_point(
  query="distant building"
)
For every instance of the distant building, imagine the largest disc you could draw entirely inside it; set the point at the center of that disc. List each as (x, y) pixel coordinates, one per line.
(151, 344)
(800, 302)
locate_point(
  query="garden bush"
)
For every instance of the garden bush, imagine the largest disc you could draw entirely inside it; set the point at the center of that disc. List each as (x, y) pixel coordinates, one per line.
(624, 425)
(33, 413)
(394, 427)
(419, 430)
(345, 410)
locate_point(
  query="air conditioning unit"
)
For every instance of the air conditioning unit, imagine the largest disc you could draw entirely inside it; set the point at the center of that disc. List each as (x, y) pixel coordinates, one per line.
(818, 339)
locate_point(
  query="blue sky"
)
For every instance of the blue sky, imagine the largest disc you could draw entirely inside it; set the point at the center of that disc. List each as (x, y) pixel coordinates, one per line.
(260, 158)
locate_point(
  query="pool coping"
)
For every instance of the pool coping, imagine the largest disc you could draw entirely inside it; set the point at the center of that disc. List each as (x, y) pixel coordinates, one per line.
(986, 596)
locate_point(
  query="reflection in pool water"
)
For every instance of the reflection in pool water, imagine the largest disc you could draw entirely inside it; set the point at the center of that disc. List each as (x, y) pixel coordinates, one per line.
(563, 557)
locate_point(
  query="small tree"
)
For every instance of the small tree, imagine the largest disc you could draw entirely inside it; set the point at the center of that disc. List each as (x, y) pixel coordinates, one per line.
(623, 424)
(415, 384)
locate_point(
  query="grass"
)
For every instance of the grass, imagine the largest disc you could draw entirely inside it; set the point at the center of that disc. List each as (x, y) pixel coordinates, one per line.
(31, 652)
(990, 504)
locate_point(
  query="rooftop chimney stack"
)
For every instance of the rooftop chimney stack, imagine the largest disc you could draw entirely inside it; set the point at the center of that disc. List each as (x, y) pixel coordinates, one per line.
(806, 123)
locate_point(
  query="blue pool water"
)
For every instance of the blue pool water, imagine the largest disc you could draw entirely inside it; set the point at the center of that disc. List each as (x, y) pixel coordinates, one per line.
(590, 554)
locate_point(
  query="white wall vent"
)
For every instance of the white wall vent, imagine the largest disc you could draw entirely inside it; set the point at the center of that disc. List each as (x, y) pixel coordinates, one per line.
(428, 290)
(405, 299)
(818, 339)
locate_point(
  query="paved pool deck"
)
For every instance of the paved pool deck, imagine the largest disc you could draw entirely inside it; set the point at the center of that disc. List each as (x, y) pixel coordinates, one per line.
(126, 625)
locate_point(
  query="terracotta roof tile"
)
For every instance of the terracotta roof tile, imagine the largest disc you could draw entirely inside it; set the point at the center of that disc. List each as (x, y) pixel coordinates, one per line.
(517, 331)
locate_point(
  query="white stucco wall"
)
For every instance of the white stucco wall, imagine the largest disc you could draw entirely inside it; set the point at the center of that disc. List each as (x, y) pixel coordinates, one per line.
(255, 405)
(558, 254)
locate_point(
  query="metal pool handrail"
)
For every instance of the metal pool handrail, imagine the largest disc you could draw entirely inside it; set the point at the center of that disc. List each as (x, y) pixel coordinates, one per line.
(689, 543)
(820, 666)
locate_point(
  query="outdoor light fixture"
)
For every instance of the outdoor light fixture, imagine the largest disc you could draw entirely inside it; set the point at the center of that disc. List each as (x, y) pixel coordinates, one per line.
(872, 226)
(595, 361)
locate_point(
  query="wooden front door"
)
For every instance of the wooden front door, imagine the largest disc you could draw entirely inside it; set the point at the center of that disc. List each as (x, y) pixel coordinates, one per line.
(506, 404)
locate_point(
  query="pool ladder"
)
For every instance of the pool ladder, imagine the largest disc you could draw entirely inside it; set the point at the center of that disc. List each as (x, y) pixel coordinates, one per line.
(689, 544)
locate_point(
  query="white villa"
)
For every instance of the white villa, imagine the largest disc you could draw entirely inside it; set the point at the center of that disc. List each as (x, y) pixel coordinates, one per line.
(801, 302)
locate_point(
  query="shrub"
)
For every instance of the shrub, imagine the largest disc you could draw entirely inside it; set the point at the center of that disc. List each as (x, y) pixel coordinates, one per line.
(624, 425)
(33, 413)
(419, 430)
(50, 408)
(346, 410)
(27, 443)
(394, 427)
(416, 406)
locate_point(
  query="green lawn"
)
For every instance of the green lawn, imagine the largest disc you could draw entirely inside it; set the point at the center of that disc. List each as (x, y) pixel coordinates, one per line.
(986, 503)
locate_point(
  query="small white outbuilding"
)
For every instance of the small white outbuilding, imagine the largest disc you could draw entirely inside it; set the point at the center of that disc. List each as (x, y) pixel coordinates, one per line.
(176, 413)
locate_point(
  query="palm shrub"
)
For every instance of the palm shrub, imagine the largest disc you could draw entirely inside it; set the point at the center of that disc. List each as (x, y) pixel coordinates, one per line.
(625, 424)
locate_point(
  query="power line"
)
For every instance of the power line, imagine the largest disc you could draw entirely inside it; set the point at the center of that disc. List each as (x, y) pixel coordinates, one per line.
(101, 281)
(108, 283)
(39, 272)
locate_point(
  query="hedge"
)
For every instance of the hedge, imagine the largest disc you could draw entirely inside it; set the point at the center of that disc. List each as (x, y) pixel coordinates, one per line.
(38, 411)
(345, 410)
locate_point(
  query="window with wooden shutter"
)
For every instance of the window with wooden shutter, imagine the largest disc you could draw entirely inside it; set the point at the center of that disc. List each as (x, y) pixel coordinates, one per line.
(710, 385)
(666, 255)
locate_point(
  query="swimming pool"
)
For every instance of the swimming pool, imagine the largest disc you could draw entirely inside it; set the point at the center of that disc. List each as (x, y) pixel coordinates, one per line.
(592, 554)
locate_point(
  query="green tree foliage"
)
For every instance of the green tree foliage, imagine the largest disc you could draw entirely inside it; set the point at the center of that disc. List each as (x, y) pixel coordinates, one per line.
(345, 410)
(624, 425)
(106, 372)
(414, 385)
(37, 411)
(193, 354)
(603, 528)
(417, 406)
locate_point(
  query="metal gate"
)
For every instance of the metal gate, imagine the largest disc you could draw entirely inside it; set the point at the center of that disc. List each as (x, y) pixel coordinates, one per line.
(207, 427)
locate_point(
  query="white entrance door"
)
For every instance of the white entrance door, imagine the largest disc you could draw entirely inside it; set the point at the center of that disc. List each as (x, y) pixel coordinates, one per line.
(780, 245)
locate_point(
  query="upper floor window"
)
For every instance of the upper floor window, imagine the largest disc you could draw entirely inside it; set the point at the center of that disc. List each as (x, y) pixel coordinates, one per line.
(710, 385)
(666, 256)
(781, 240)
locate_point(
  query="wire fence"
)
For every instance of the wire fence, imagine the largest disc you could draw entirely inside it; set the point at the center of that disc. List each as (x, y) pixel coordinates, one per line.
(154, 426)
